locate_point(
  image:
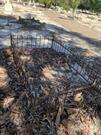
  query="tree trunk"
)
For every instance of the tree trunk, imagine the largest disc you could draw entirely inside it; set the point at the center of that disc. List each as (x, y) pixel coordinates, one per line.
(74, 13)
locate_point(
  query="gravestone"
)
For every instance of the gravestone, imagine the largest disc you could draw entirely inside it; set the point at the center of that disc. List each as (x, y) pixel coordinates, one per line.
(8, 9)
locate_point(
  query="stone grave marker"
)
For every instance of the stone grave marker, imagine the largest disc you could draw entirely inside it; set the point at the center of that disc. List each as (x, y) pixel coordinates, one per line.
(8, 9)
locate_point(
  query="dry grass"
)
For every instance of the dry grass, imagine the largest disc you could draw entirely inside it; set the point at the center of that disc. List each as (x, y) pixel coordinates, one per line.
(47, 72)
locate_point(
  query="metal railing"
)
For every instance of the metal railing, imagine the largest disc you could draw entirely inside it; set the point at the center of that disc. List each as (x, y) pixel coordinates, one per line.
(87, 71)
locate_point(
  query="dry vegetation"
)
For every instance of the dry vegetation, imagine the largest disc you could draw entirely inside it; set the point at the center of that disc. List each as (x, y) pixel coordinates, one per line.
(48, 101)
(40, 94)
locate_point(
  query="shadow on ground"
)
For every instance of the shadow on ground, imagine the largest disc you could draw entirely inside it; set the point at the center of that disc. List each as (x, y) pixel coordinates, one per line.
(21, 116)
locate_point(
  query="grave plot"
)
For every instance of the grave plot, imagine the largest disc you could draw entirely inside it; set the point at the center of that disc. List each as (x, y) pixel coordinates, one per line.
(53, 92)
(57, 58)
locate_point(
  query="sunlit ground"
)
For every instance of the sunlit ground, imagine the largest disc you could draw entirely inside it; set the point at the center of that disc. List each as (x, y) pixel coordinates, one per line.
(20, 10)
(19, 110)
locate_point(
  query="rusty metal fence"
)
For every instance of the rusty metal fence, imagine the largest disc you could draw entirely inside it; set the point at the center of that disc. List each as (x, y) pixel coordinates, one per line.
(87, 70)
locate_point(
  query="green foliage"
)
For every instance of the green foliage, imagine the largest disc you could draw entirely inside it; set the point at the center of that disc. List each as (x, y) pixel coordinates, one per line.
(93, 5)
(55, 2)
(63, 4)
(49, 3)
(85, 4)
(25, 0)
(96, 6)
(74, 3)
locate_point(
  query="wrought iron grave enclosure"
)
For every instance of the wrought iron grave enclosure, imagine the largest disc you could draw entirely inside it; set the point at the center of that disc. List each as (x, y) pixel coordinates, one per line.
(87, 71)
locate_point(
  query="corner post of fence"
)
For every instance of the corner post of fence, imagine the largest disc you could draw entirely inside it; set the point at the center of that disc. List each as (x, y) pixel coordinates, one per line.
(11, 43)
(53, 37)
(10, 40)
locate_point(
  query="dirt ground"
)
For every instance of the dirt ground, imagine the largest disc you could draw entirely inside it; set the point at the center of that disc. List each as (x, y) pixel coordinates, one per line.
(72, 25)
(49, 107)
(44, 111)
(82, 36)
(76, 34)
(53, 16)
